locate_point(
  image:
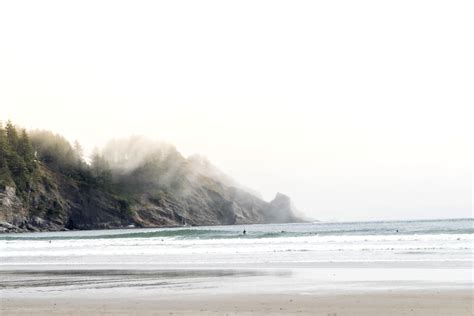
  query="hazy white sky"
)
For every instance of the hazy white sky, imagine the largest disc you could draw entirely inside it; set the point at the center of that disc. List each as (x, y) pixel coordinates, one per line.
(356, 109)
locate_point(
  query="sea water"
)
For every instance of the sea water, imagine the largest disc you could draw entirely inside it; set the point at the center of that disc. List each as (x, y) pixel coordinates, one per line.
(305, 258)
(439, 243)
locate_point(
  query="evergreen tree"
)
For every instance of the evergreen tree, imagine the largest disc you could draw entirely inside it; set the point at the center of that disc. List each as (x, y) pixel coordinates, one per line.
(78, 149)
(12, 135)
(25, 150)
(101, 169)
(5, 175)
(4, 146)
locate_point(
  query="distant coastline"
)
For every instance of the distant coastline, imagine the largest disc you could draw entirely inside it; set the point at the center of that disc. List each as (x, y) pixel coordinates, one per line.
(47, 185)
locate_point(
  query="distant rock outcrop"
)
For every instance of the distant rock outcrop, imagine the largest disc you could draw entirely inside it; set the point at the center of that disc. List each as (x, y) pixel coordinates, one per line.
(281, 210)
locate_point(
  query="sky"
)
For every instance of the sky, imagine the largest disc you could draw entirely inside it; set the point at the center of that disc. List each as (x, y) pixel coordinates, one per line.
(358, 110)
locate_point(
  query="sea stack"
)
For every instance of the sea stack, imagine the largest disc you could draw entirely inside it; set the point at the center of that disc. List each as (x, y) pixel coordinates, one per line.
(281, 210)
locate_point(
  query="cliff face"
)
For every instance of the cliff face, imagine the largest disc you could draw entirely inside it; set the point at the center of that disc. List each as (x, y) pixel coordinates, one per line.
(58, 202)
(46, 185)
(12, 211)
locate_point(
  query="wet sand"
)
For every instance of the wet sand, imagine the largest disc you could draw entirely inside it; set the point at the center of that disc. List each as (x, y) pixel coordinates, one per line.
(229, 292)
(367, 304)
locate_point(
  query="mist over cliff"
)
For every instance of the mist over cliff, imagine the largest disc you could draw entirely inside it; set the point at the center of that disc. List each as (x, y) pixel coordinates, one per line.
(46, 184)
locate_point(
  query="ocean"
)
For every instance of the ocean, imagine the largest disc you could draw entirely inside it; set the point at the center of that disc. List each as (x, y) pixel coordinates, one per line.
(438, 243)
(281, 262)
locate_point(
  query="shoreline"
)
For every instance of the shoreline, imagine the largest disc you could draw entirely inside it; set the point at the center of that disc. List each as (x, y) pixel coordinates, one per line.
(302, 221)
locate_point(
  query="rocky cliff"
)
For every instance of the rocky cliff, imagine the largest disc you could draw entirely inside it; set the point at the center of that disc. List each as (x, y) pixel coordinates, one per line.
(68, 205)
(126, 187)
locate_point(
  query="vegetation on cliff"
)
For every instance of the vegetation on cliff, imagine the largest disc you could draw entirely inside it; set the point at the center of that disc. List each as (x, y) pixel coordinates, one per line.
(17, 161)
(46, 184)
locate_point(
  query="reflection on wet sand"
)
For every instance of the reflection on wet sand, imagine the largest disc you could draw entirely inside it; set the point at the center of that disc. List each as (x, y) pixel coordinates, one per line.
(54, 280)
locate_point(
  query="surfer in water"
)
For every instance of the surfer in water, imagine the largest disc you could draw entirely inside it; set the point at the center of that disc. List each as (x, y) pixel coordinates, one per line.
(244, 232)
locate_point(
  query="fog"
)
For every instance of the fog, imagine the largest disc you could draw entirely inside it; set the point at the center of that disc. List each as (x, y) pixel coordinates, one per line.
(137, 160)
(356, 110)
